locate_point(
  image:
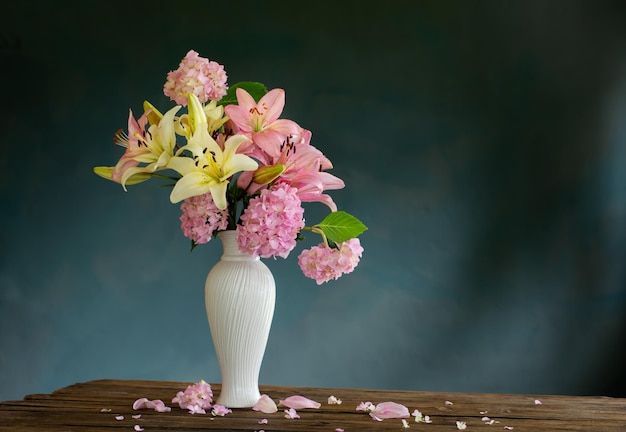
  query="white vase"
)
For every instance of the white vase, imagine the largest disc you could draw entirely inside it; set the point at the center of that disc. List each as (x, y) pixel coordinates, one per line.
(240, 294)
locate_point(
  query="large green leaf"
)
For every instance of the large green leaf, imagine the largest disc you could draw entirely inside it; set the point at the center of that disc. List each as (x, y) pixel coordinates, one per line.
(340, 226)
(256, 89)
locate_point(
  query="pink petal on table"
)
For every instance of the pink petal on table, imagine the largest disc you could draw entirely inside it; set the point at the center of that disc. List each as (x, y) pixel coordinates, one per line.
(291, 414)
(138, 428)
(365, 406)
(448, 403)
(389, 410)
(137, 416)
(332, 400)
(538, 402)
(220, 410)
(265, 404)
(338, 430)
(299, 402)
(105, 410)
(140, 403)
(158, 405)
(263, 421)
(119, 417)
(145, 403)
(195, 409)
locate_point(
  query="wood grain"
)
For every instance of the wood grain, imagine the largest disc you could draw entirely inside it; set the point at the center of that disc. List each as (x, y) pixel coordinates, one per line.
(78, 408)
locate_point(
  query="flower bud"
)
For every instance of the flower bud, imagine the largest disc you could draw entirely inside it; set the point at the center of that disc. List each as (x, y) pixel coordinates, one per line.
(195, 111)
(268, 173)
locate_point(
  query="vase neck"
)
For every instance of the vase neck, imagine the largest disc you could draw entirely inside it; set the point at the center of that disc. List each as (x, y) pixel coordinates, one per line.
(231, 251)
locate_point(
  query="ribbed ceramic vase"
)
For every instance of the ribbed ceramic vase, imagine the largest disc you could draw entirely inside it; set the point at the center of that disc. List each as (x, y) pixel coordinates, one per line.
(240, 294)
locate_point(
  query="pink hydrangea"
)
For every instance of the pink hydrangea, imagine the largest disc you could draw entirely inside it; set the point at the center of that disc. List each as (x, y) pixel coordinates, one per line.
(271, 222)
(197, 398)
(206, 79)
(201, 218)
(324, 263)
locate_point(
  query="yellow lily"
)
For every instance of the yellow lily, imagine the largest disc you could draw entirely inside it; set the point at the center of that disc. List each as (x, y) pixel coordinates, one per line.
(210, 168)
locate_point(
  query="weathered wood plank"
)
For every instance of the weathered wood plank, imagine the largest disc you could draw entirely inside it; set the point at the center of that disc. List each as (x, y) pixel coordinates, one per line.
(78, 408)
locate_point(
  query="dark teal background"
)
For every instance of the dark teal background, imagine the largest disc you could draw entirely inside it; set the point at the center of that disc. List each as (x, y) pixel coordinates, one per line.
(482, 142)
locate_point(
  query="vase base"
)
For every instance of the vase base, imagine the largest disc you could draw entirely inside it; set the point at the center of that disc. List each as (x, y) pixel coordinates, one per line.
(241, 400)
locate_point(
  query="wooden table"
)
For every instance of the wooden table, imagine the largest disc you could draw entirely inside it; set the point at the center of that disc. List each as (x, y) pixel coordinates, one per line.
(85, 407)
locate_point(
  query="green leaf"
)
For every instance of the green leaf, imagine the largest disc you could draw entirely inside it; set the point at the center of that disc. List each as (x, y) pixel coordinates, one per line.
(256, 89)
(340, 226)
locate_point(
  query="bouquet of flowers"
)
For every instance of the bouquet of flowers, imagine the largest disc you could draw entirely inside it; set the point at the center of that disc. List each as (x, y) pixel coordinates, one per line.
(238, 166)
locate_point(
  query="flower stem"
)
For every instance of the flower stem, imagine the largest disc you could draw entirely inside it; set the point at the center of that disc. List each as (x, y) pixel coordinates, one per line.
(319, 231)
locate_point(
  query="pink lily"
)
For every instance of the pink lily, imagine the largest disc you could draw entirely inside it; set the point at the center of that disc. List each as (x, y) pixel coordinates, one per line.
(311, 184)
(304, 167)
(260, 121)
(133, 143)
(154, 147)
(299, 402)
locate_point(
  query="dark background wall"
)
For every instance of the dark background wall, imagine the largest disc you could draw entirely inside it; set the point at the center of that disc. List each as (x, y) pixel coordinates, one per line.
(482, 142)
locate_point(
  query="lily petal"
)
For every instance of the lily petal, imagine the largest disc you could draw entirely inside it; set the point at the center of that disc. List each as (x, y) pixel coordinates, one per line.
(390, 410)
(266, 405)
(191, 184)
(299, 402)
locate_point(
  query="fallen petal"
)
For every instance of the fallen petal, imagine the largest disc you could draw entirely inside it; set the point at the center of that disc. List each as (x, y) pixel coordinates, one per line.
(538, 402)
(140, 403)
(138, 428)
(263, 421)
(219, 410)
(449, 403)
(291, 414)
(265, 404)
(299, 402)
(105, 410)
(508, 427)
(420, 418)
(195, 409)
(332, 400)
(365, 406)
(119, 417)
(145, 403)
(405, 424)
(158, 405)
(137, 416)
(461, 425)
(390, 410)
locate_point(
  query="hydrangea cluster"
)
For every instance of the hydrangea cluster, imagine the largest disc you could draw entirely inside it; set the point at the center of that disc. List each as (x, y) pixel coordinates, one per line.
(271, 222)
(323, 263)
(201, 218)
(206, 79)
(197, 398)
